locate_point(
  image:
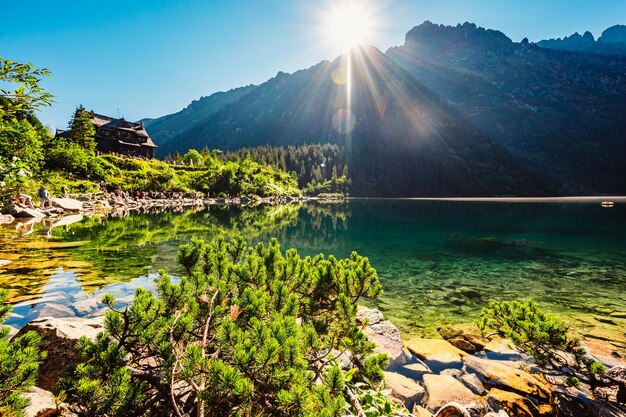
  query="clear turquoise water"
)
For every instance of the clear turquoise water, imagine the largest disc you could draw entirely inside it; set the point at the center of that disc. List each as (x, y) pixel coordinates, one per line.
(439, 262)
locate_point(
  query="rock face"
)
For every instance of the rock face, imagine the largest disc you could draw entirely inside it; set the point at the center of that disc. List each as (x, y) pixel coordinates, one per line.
(442, 389)
(58, 338)
(438, 354)
(499, 375)
(403, 389)
(386, 336)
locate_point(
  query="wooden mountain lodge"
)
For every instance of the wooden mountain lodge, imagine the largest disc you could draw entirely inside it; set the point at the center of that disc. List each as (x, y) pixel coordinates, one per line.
(119, 136)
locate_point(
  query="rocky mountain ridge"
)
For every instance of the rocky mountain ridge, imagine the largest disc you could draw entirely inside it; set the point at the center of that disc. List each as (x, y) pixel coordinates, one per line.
(456, 110)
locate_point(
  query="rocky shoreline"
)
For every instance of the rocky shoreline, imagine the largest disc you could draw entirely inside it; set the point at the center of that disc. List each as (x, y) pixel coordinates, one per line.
(13, 212)
(461, 374)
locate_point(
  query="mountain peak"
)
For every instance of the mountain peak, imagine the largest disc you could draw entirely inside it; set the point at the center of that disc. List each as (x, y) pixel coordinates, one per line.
(462, 34)
(614, 34)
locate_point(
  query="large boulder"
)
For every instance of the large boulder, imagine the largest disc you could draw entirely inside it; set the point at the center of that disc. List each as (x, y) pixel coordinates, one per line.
(29, 213)
(442, 389)
(404, 390)
(387, 338)
(58, 338)
(67, 204)
(497, 374)
(11, 209)
(437, 353)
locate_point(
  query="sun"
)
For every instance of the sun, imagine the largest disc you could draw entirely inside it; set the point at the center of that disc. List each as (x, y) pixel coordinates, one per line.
(349, 23)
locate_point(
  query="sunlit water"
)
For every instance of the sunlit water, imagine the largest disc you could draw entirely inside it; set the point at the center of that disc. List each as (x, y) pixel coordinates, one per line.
(439, 262)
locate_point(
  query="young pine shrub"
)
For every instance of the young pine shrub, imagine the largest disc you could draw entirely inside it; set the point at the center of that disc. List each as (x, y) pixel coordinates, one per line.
(19, 363)
(246, 332)
(542, 336)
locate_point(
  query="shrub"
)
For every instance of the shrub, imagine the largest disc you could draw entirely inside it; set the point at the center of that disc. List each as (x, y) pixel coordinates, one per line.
(19, 363)
(543, 336)
(246, 332)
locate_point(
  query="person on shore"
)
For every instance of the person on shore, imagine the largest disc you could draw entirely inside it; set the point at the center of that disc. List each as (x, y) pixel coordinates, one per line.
(44, 197)
(64, 193)
(25, 199)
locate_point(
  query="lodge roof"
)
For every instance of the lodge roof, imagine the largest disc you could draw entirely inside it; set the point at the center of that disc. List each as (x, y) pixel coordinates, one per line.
(137, 137)
(103, 123)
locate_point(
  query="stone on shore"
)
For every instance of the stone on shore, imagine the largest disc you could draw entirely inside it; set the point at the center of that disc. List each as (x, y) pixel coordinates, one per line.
(415, 370)
(403, 390)
(42, 404)
(436, 352)
(513, 404)
(419, 411)
(58, 339)
(497, 374)
(4, 262)
(369, 315)
(442, 389)
(388, 340)
(67, 204)
(19, 212)
(472, 382)
(29, 213)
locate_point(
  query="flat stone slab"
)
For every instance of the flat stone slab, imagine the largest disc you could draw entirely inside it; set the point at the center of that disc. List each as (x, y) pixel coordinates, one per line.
(437, 353)
(443, 389)
(69, 204)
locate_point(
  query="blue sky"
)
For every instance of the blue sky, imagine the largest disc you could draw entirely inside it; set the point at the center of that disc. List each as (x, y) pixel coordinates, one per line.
(153, 57)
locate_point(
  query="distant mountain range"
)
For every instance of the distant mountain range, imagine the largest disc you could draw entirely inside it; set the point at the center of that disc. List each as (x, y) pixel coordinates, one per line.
(456, 110)
(611, 42)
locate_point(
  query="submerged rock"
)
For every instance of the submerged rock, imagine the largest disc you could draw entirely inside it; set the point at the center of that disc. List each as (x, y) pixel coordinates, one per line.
(58, 338)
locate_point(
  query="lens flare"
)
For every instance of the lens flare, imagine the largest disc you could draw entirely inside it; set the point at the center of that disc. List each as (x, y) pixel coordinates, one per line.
(349, 23)
(344, 121)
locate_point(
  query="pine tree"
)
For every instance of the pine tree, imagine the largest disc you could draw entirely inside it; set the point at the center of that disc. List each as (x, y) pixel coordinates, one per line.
(245, 332)
(82, 130)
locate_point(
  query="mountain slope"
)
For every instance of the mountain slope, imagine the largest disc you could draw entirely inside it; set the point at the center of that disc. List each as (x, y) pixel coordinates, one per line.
(401, 140)
(163, 129)
(560, 112)
(454, 111)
